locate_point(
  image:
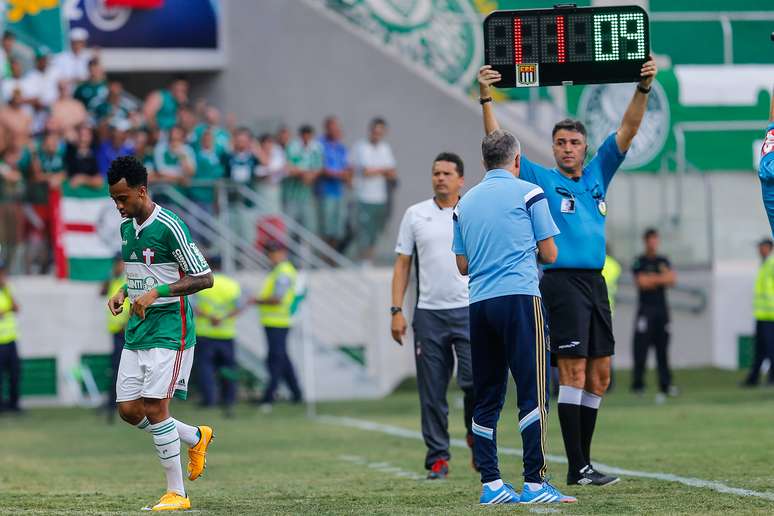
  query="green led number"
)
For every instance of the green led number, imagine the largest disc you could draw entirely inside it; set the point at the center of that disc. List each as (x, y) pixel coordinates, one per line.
(605, 37)
(632, 27)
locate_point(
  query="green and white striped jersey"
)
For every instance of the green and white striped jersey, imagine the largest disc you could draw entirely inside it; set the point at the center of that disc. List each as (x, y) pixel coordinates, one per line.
(159, 252)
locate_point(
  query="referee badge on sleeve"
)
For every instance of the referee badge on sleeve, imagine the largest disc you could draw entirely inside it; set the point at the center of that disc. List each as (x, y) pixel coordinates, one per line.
(602, 207)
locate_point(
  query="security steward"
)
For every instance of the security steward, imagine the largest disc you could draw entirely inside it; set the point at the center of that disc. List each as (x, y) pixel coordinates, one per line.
(763, 308)
(216, 309)
(9, 356)
(653, 274)
(116, 325)
(275, 308)
(573, 288)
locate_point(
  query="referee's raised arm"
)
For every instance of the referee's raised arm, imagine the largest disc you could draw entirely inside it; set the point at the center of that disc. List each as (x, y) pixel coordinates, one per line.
(486, 77)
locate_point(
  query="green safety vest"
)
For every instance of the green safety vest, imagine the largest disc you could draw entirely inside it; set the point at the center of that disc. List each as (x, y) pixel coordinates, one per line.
(611, 272)
(8, 332)
(764, 291)
(218, 301)
(117, 323)
(278, 316)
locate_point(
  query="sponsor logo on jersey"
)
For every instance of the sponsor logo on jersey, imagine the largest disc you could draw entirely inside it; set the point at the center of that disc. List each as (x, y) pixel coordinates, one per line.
(133, 256)
(178, 254)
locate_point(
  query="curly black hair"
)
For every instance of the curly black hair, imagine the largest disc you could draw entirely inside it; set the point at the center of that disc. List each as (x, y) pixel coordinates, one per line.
(129, 168)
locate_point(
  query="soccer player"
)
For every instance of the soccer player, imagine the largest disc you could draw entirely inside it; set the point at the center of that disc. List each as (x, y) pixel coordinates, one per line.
(163, 266)
(766, 167)
(573, 288)
(502, 227)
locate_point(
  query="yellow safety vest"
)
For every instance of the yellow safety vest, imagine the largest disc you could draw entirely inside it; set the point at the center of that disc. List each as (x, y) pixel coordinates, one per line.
(764, 291)
(611, 272)
(8, 331)
(218, 301)
(280, 315)
(117, 323)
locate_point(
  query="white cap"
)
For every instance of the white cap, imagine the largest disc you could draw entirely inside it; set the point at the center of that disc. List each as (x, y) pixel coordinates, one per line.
(120, 124)
(79, 34)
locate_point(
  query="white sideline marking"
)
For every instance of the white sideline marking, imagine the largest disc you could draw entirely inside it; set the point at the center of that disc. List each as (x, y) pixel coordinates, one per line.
(397, 431)
(384, 467)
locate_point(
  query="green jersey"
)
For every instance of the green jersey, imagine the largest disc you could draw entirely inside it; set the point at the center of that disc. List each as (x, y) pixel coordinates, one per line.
(160, 252)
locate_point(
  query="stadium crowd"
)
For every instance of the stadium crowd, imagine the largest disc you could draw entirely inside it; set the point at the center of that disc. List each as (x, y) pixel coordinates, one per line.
(63, 120)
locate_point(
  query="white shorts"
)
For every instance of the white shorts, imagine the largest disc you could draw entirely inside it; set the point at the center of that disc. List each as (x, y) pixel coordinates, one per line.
(158, 373)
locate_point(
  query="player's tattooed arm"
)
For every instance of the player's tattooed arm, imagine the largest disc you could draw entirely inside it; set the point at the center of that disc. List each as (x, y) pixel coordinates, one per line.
(188, 285)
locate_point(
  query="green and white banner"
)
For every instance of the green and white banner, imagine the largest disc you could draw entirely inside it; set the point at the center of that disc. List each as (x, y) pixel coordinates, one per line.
(89, 232)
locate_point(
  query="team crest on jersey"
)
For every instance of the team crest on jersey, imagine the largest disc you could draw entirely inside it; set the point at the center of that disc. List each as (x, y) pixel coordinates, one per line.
(148, 254)
(768, 143)
(526, 75)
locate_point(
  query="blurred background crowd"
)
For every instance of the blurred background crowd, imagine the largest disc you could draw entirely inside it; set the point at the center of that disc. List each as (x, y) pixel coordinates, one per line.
(63, 120)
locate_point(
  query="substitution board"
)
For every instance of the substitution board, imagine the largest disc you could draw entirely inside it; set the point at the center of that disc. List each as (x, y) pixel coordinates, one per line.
(567, 45)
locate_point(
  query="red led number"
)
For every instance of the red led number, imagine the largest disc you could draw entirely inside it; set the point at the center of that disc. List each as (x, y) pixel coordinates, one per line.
(560, 50)
(517, 55)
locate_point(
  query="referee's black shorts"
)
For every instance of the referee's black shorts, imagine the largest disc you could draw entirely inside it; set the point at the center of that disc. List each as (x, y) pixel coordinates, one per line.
(579, 318)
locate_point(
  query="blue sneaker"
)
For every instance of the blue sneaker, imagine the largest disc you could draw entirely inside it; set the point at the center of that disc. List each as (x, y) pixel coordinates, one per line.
(505, 494)
(546, 494)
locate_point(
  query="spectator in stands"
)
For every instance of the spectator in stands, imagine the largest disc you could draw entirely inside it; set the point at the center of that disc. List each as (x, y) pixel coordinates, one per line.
(14, 81)
(115, 104)
(17, 120)
(49, 172)
(7, 51)
(10, 211)
(73, 65)
(221, 136)
(81, 160)
(143, 146)
(9, 356)
(39, 89)
(67, 113)
(210, 167)
(187, 120)
(282, 138)
(270, 173)
(330, 187)
(94, 89)
(39, 83)
(174, 159)
(161, 106)
(305, 160)
(241, 167)
(115, 146)
(374, 164)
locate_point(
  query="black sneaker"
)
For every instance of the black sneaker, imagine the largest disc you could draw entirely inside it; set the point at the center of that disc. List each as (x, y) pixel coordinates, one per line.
(589, 476)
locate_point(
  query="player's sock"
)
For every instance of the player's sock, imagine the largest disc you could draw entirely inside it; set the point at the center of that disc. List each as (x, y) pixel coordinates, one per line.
(588, 419)
(569, 404)
(188, 434)
(144, 425)
(167, 441)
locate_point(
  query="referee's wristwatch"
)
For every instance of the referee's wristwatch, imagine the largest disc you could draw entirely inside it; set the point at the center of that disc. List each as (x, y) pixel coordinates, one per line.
(395, 310)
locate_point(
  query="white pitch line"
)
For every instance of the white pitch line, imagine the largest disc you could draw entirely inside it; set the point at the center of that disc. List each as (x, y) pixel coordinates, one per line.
(397, 431)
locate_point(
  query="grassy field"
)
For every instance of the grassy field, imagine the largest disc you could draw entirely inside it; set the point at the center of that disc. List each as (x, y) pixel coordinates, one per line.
(57, 461)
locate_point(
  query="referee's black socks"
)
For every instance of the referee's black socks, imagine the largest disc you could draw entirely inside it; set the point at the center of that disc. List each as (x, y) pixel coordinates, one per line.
(569, 409)
(588, 419)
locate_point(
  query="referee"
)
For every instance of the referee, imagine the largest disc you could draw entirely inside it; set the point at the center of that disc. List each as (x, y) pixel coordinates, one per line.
(499, 228)
(573, 287)
(440, 324)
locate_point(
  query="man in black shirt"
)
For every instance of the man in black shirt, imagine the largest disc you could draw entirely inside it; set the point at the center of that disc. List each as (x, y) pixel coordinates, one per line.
(653, 274)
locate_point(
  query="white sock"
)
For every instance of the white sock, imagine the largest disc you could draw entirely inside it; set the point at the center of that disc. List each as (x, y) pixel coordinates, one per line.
(188, 434)
(167, 441)
(533, 486)
(494, 485)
